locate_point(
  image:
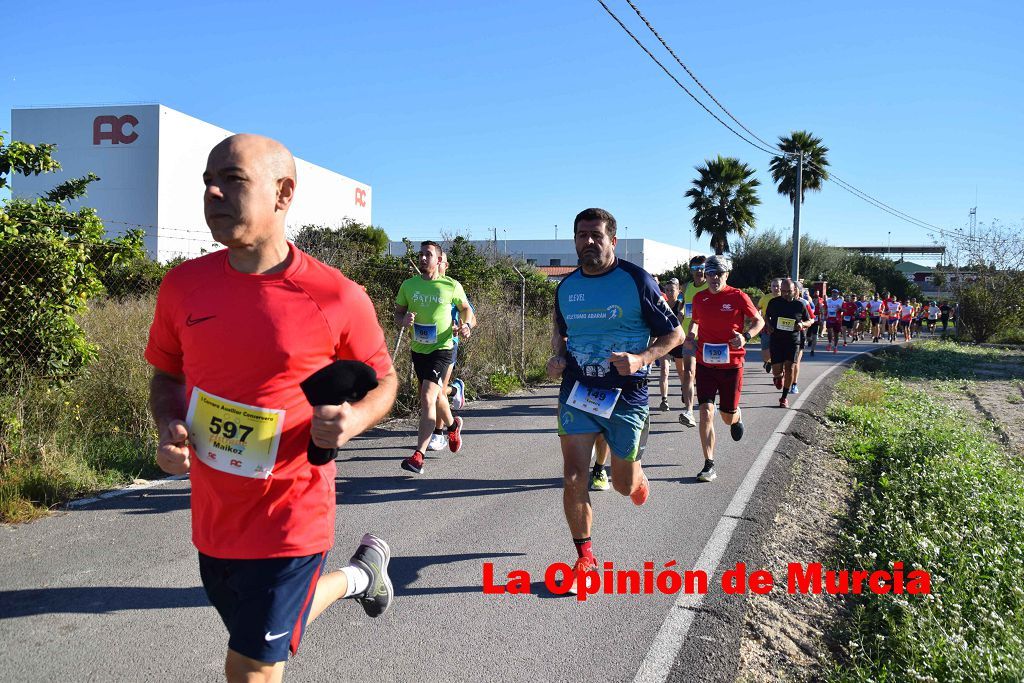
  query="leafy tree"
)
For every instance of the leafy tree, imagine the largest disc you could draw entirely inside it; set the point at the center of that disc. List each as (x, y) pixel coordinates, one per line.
(722, 199)
(351, 238)
(784, 168)
(992, 303)
(25, 159)
(52, 259)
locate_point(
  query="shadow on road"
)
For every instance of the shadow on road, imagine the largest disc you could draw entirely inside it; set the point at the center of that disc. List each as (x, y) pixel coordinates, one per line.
(96, 600)
(388, 489)
(405, 571)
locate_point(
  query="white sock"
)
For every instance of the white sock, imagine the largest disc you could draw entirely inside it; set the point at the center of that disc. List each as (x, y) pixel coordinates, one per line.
(358, 581)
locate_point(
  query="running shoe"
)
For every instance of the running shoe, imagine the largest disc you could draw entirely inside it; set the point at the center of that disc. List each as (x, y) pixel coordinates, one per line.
(794, 389)
(599, 480)
(835, 350)
(708, 473)
(372, 556)
(414, 463)
(458, 394)
(767, 366)
(686, 418)
(437, 442)
(664, 404)
(455, 435)
(736, 431)
(639, 497)
(828, 347)
(783, 402)
(777, 381)
(585, 564)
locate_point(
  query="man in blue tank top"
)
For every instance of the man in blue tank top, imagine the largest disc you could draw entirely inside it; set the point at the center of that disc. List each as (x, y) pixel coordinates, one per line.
(610, 324)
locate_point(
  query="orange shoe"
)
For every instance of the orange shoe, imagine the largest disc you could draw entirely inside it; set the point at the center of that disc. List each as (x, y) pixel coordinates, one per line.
(639, 496)
(585, 564)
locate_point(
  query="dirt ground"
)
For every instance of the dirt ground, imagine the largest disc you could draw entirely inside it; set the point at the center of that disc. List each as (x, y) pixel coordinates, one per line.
(785, 635)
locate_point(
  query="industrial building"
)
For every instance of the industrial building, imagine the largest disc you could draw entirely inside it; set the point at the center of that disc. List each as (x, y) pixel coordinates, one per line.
(150, 160)
(555, 255)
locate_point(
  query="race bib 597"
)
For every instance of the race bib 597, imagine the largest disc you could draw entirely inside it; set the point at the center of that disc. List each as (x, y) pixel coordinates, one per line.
(234, 437)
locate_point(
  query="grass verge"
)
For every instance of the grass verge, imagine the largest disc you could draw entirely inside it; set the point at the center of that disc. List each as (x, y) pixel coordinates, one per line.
(934, 490)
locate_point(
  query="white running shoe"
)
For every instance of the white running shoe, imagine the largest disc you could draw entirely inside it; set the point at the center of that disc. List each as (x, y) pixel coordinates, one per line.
(438, 442)
(686, 418)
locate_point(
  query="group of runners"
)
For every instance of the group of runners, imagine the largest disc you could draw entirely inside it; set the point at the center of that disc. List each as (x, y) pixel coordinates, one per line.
(854, 318)
(237, 332)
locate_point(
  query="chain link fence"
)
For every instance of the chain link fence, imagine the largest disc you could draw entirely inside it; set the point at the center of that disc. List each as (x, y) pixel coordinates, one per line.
(64, 305)
(74, 386)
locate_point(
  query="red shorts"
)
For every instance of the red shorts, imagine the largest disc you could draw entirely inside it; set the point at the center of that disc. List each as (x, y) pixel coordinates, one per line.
(834, 324)
(725, 382)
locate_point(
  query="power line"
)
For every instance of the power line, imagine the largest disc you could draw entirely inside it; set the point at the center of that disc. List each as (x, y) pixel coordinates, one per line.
(643, 47)
(696, 80)
(773, 150)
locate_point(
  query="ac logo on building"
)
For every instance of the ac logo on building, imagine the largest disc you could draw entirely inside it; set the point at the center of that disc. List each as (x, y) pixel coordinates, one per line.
(360, 197)
(112, 128)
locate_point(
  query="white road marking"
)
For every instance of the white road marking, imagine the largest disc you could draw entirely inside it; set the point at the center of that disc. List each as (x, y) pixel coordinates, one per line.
(662, 654)
(82, 502)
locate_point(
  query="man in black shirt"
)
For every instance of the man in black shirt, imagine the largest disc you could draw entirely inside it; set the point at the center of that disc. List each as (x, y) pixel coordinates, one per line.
(785, 317)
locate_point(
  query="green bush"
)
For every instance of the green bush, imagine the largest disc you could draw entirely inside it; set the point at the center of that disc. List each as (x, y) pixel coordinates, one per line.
(993, 303)
(934, 491)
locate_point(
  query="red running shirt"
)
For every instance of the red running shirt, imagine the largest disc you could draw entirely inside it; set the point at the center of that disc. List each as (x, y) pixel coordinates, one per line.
(718, 317)
(243, 343)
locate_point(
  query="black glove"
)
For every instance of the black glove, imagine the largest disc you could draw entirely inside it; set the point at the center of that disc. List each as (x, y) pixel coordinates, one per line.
(340, 382)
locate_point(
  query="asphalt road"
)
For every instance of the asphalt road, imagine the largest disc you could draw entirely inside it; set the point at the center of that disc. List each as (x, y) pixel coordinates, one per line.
(110, 591)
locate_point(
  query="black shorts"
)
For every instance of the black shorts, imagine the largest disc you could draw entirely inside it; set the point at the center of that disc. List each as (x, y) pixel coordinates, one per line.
(433, 366)
(679, 352)
(783, 350)
(875, 319)
(263, 603)
(848, 324)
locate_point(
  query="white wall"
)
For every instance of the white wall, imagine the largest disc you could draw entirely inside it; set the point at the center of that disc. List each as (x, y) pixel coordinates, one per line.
(152, 178)
(127, 170)
(185, 143)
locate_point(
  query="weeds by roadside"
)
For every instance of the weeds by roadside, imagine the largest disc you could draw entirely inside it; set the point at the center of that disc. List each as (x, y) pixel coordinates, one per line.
(66, 441)
(935, 491)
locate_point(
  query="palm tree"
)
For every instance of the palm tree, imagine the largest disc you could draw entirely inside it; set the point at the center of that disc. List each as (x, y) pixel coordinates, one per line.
(722, 200)
(783, 168)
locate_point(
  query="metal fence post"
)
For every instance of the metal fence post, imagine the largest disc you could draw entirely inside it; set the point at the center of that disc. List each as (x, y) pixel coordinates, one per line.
(522, 321)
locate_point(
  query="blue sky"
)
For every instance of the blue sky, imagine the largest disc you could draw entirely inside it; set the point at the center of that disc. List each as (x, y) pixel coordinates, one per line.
(471, 115)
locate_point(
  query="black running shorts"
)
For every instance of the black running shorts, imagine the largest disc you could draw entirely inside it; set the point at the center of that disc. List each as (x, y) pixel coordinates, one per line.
(432, 367)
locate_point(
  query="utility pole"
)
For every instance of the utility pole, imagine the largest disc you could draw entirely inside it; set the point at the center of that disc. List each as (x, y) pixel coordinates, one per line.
(556, 231)
(795, 270)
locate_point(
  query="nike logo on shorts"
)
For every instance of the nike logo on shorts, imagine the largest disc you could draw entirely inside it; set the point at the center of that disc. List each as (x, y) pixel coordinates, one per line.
(269, 637)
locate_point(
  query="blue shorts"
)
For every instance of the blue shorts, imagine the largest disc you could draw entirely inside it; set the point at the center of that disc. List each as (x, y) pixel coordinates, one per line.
(625, 431)
(263, 603)
(455, 351)
(766, 340)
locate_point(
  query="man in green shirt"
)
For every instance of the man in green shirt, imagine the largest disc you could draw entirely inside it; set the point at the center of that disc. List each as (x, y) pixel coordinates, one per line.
(424, 305)
(698, 285)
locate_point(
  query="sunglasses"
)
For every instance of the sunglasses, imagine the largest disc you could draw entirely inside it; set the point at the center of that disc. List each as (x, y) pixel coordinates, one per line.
(713, 273)
(697, 269)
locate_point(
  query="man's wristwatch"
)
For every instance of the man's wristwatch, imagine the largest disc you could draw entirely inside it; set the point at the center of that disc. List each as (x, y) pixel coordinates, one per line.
(746, 336)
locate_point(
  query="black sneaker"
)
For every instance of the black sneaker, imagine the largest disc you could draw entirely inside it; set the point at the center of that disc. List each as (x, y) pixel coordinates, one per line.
(372, 556)
(736, 430)
(664, 405)
(708, 473)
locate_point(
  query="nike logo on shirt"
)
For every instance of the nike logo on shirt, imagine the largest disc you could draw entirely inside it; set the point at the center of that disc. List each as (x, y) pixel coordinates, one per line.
(269, 637)
(195, 321)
